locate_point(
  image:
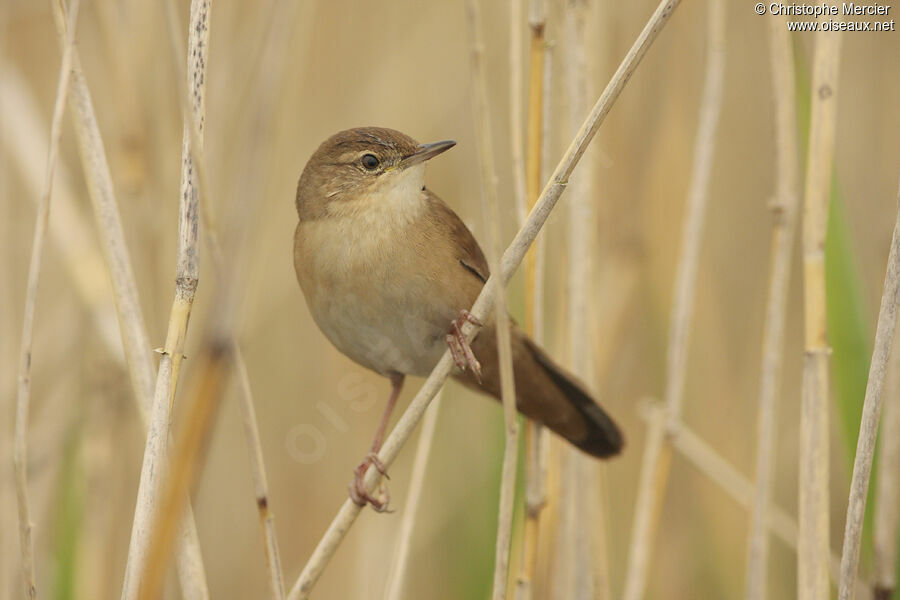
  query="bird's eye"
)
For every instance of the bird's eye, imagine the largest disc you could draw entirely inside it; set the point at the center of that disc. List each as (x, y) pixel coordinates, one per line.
(370, 162)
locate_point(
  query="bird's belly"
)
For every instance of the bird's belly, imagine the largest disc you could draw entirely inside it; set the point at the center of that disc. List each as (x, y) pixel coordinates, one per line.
(382, 340)
(372, 303)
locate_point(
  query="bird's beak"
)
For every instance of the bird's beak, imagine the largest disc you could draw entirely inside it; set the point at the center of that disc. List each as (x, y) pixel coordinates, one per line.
(424, 152)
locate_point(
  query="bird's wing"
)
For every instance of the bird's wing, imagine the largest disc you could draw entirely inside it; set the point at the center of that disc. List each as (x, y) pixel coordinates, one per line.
(466, 250)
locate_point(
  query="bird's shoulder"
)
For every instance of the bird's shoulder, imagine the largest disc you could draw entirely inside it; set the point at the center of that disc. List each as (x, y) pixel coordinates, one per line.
(449, 226)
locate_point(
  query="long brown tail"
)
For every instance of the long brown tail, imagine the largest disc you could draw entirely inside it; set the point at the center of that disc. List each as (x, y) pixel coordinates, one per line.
(547, 393)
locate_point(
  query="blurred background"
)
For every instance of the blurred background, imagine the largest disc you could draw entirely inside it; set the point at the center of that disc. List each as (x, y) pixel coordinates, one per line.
(283, 76)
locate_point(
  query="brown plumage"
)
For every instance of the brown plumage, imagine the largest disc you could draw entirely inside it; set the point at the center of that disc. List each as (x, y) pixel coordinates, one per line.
(386, 266)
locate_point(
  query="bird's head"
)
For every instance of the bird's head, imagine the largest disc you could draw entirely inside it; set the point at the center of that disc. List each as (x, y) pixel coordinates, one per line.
(358, 166)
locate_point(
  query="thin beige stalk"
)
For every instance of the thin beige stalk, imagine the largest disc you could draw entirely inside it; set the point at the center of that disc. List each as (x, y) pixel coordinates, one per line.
(709, 462)
(7, 345)
(138, 353)
(784, 214)
(868, 427)
(535, 437)
(887, 495)
(8, 518)
(134, 335)
(23, 401)
(652, 485)
(23, 130)
(399, 564)
(812, 559)
(491, 212)
(153, 469)
(515, 110)
(510, 261)
(537, 23)
(203, 401)
(258, 471)
(587, 574)
(193, 131)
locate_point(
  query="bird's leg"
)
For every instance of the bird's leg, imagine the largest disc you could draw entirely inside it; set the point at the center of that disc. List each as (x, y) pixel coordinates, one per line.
(358, 492)
(459, 345)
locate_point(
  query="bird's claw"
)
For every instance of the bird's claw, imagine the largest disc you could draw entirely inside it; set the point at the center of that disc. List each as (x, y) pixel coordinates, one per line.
(358, 492)
(465, 315)
(459, 345)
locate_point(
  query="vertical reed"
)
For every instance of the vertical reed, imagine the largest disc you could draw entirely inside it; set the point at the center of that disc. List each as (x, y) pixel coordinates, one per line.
(154, 470)
(784, 219)
(491, 210)
(535, 436)
(812, 560)
(23, 400)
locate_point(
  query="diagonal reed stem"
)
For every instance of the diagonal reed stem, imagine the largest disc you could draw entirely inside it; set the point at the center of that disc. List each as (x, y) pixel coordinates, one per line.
(709, 462)
(887, 496)
(511, 259)
(868, 428)
(400, 562)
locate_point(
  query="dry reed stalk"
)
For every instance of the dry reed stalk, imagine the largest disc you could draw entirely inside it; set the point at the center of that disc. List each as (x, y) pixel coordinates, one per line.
(589, 572)
(153, 469)
(540, 255)
(204, 401)
(537, 22)
(21, 131)
(887, 495)
(812, 560)
(511, 259)
(400, 562)
(258, 472)
(138, 354)
(86, 266)
(784, 214)
(491, 212)
(515, 110)
(259, 128)
(709, 462)
(868, 428)
(652, 485)
(535, 437)
(23, 400)
(8, 521)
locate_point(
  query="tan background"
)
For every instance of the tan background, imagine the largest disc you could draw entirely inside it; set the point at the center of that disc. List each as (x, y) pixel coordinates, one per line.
(405, 65)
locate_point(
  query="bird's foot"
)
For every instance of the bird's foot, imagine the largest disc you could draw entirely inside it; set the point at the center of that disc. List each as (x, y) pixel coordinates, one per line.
(459, 345)
(358, 492)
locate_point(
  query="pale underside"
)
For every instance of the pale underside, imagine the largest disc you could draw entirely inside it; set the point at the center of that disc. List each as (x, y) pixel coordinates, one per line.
(377, 273)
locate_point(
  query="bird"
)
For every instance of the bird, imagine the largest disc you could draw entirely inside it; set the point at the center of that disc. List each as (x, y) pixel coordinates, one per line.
(389, 271)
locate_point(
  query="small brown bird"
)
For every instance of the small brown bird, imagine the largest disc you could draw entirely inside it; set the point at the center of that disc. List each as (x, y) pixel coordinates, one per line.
(388, 271)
